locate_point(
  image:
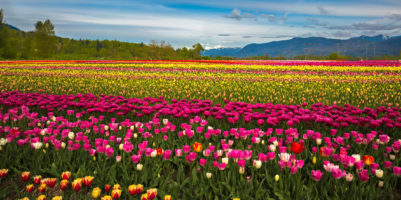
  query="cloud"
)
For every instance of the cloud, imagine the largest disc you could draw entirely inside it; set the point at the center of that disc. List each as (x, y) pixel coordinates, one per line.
(247, 36)
(236, 14)
(270, 17)
(362, 26)
(224, 35)
(316, 22)
(394, 17)
(342, 34)
(322, 10)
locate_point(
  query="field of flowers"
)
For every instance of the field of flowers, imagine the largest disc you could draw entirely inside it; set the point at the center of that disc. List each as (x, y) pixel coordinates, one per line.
(200, 130)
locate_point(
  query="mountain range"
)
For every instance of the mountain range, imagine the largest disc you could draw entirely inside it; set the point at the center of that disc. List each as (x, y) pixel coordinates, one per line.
(363, 46)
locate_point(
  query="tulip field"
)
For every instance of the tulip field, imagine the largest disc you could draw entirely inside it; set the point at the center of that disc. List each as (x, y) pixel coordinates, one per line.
(200, 130)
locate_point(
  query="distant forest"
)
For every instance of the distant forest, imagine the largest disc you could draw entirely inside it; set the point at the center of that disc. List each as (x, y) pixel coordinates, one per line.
(42, 43)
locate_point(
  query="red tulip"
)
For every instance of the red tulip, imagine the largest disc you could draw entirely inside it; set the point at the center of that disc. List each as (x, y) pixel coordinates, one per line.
(29, 188)
(152, 193)
(63, 184)
(132, 190)
(51, 182)
(107, 187)
(87, 180)
(116, 194)
(76, 185)
(297, 147)
(3, 173)
(37, 180)
(66, 175)
(42, 188)
(25, 176)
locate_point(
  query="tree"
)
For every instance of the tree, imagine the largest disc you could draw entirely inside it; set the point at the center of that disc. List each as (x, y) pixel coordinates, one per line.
(198, 49)
(1, 16)
(44, 39)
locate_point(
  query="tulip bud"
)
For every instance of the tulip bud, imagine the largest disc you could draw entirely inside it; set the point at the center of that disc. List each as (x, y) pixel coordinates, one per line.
(132, 190)
(381, 183)
(276, 177)
(25, 176)
(42, 188)
(66, 175)
(96, 192)
(139, 167)
(314, 160)
(139, 188)
(107, 197)
(76, 185)
(144, 196)
(242, 170)
(41, 197)
(37, 179)
(63, 145)
(257, 164)
(57, 198)
(152, 193)
(379, 173)
(29, 188)
(272, 147)
(118, 158)
(208, 175)
(349, 177)
(107, 187)
(319, 141)
(121, 146)
(135, 135)
(392, 157)
(224, 160)
(116, 194)
(63, 184)
(71, 135)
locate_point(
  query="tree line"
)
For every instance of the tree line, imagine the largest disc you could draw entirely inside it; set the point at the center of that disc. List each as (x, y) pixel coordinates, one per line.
(42, 43)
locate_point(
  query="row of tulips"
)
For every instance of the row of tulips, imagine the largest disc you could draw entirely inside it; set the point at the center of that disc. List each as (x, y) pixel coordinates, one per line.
(372, 85)
(188, 158)
(110, 192)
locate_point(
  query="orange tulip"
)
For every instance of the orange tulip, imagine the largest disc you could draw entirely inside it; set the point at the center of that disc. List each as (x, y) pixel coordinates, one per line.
(321, 153)
(66, 175)
(42, 188)
(37, 180)
(29, 188)
(152, 193)
(87, 180)
(132, 190)
(25, 176)
(116, 193)
(197, 147)
(63, 184)
(368, 160)
(167, 197)
(159, 151)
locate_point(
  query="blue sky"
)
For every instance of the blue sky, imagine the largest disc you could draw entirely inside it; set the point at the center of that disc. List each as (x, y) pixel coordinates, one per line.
(219, 23)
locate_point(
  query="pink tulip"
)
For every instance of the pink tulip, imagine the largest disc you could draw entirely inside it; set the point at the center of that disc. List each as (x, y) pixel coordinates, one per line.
(316, 175)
